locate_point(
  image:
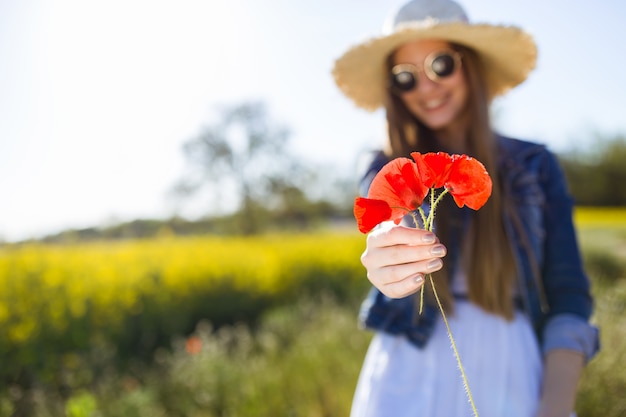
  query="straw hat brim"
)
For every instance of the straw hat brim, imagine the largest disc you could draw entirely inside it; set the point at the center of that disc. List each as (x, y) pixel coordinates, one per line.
(508, 55)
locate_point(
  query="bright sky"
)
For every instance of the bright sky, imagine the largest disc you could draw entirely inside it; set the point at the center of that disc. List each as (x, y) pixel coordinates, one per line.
(97, 97)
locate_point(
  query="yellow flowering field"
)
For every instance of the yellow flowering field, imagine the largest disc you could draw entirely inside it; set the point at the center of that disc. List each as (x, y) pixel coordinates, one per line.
(594, 217)
(602, 232)
(138, 293)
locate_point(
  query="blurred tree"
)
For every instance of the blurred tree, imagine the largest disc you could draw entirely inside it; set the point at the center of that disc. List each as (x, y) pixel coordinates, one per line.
(597, 174)
(244, 155)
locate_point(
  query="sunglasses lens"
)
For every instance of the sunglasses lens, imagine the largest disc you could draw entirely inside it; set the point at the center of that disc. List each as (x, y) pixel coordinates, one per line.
(443, 65)
(438, 65)
(403, 80)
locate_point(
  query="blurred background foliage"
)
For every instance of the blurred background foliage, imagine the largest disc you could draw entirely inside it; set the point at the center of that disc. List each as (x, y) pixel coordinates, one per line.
(597, 173)
(249, 311)
(241, 173)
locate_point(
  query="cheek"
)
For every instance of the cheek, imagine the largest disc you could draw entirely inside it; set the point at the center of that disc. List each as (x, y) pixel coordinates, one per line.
(460, 92)
(463, 95)
(411, 104)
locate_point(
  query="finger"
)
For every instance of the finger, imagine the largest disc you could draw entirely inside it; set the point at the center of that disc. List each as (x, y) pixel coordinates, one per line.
(400, 254)
(400, 235)
(404, 288)
(392, 275)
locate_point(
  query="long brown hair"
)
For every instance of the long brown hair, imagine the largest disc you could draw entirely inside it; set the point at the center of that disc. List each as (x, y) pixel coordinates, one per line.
(485, 255)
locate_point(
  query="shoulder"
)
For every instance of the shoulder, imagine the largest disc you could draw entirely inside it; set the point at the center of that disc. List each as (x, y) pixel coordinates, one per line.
(519, 148)
(517, 153)
(524, 162)
(373, 162)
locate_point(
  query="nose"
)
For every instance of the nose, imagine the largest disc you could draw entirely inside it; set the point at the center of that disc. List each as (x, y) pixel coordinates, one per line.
(425, 84)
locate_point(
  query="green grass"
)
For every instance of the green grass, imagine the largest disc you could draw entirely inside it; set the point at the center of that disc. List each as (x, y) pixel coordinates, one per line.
(604, 381)
(302, 359)
(602, 236)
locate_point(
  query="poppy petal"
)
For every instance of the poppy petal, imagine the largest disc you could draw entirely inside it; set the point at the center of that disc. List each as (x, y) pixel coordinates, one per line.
(469, 182)
(424, 171)
(369, 213)
(440, 164)
(399, 184)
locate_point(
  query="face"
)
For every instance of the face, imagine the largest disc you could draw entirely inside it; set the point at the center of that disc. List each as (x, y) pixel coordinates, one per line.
(440, 104)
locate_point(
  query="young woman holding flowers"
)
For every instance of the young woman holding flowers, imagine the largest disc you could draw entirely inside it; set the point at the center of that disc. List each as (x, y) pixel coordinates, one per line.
(509, 276)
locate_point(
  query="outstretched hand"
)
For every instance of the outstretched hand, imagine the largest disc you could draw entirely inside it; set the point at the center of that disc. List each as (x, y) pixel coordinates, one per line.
(397, 258)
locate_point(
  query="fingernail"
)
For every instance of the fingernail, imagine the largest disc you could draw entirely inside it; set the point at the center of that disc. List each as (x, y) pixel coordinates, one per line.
(419, 279)
(438, 250)
(434, 265)
(429, 238)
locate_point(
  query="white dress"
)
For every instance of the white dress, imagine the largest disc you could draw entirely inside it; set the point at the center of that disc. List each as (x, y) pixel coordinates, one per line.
(501, 358)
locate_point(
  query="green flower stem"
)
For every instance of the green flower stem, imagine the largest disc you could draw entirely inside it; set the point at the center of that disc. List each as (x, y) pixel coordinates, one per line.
(441, 195)
(433, 207)
(423, 215)
(456, 351)
(424, 220)
(429, 225)
(434, 202)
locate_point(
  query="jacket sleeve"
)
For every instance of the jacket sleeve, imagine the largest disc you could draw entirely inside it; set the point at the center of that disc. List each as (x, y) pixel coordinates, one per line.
(566, 284)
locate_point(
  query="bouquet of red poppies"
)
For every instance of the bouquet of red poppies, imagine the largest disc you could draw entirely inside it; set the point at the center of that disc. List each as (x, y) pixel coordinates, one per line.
(401, 187)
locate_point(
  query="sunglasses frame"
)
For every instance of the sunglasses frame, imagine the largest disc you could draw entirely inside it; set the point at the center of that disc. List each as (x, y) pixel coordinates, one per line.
(427, 69)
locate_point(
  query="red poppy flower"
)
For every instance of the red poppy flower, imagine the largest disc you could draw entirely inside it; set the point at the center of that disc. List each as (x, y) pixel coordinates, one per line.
(400, 185)
(468, 182)
(193, 345)
(369, 213)
(434, 168)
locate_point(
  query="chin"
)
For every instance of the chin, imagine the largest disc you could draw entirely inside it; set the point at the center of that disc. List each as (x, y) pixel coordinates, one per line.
(437, 124)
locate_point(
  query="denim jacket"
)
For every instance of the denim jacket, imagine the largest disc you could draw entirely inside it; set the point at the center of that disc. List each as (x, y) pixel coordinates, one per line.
(554, 289)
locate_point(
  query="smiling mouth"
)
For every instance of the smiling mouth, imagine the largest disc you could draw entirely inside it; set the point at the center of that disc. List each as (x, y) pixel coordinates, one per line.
(434, 104)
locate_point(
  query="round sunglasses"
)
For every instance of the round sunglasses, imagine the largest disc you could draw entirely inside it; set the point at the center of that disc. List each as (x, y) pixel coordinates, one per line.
(437, 66)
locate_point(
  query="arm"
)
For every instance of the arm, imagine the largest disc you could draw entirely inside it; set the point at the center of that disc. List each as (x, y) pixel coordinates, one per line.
(562, 370)
(569, 340)
(567, 287)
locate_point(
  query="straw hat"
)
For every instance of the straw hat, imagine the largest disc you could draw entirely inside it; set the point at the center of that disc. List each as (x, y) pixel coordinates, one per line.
(508, 53)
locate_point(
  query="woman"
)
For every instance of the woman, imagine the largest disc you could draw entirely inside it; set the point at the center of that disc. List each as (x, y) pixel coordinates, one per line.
(510, 274)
